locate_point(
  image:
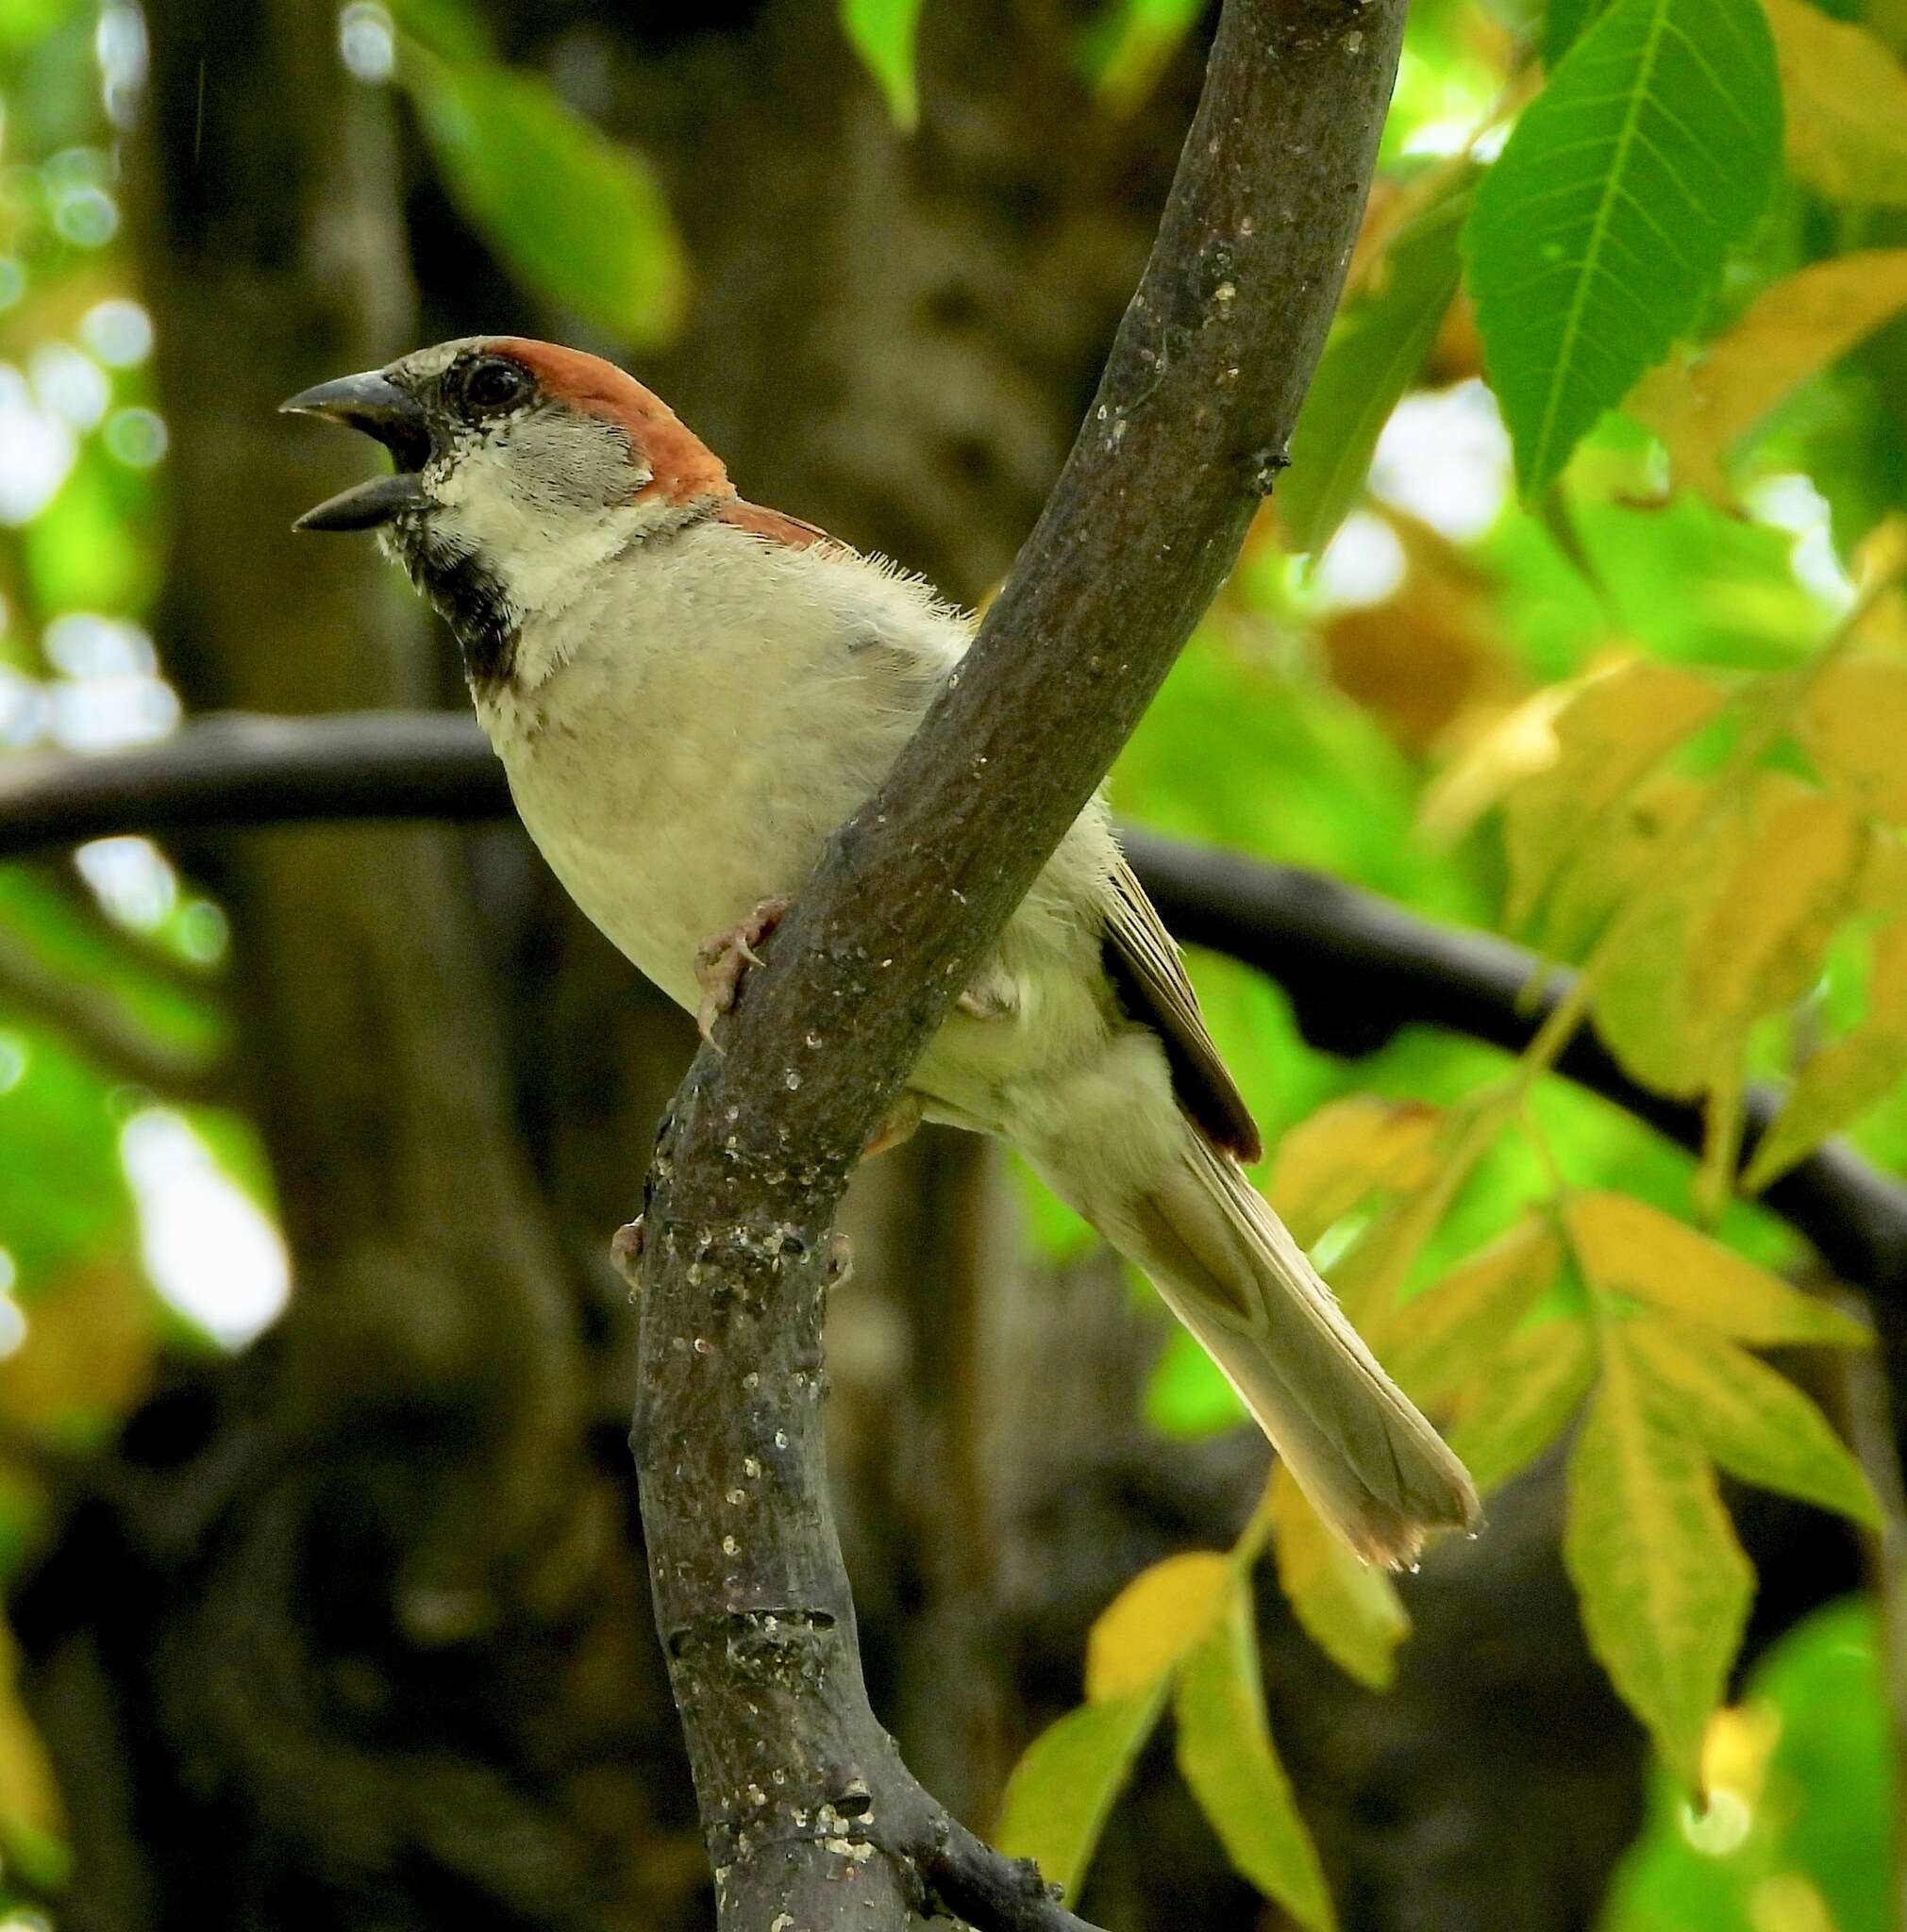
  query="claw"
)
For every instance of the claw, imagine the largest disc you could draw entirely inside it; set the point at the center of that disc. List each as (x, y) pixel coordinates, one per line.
(722, 961)
(902, 1120)
(840, 1260)
(626, 1248)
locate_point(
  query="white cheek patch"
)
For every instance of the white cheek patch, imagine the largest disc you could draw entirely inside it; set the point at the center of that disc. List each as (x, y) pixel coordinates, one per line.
(539, 521)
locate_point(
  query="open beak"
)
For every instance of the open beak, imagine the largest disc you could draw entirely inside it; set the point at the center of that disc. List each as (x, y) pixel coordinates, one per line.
(375, 405)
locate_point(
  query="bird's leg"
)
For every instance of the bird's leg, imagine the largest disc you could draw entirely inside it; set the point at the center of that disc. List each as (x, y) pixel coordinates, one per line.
(902, 1118)
(720, 962)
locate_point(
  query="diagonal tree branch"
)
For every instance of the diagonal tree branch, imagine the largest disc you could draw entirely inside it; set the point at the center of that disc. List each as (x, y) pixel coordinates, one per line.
(809, 1813)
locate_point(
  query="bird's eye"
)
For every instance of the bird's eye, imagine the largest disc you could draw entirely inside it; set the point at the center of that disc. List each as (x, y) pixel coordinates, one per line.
(493, 385)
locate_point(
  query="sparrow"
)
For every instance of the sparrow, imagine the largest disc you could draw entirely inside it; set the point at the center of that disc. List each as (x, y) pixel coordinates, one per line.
(690, 693)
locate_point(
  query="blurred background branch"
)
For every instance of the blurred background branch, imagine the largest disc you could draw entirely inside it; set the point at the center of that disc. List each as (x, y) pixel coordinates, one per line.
(1355, 967)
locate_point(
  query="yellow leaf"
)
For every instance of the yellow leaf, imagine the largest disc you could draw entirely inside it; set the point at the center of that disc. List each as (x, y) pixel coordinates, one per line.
(1369, 1276)
(1608, 867)
(1754, 1421)
(1432, 1344)
(1663, 1583)
(1791, 1902)
(1644, 1008)
(1229, 1762)
(1352, 1612)
(1061, 1791)
(29, 1795)
(1791, 331)
(1884, 884)
(1150, 1625)
(1845, 102)
(1629, 1248)
(1619, 727)
(89, 1352)
(1736, 1747)
(1347, 1150)
(1523, 1395)
(1881, 553)
(1761, 946)
(1733, 925)
(1847, 1077)
(1496, 750)
(1855, 728)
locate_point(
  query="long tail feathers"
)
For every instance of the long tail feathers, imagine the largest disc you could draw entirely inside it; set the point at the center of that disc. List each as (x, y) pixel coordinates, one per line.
(1376, 1472)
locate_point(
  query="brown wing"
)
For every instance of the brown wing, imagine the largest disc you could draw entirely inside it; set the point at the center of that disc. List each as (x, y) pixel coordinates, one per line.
(1143, 962)
(778, 526)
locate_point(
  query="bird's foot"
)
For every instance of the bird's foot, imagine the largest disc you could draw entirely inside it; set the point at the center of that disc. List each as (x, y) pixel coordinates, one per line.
(902, 1119)
(626, 1244)
(722, 961)
(992, 996)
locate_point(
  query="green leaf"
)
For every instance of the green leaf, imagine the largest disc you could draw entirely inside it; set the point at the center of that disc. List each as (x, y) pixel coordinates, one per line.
(1227, 1757)
(1664, 1584)
(1129, 48)
(83, 551)
(1611, 867)
(1350, 1610)
(1160, 1615)
(576, 216)
(1523, 1396)
(24, 22)
(1188, 1397)
(1563, 23)
(883, 33)
(1063, 1790)
(1602, 228)
(1754, 1421)
(44, 933)
(1629, 1248)
(449, 28)
(61, 1109)
(1376, 347)
(1819, 1803)
(1704, 409)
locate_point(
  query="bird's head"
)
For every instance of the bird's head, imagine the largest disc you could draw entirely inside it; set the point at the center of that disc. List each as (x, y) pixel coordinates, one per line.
(519, 466)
